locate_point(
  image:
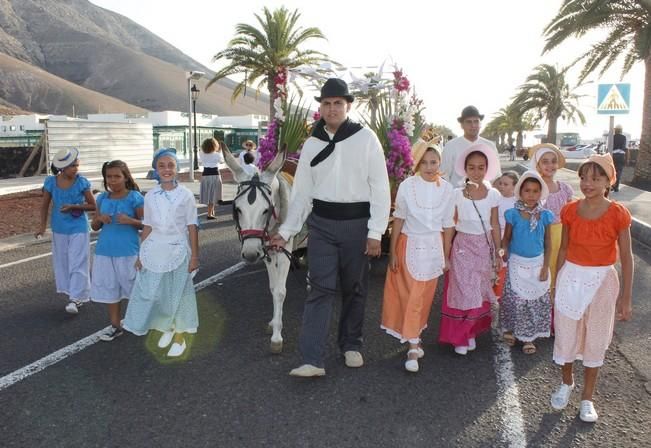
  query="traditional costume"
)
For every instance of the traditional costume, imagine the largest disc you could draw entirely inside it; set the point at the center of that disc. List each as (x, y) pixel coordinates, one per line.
(342, 188)
(114, 269)
(70, 233)
(587, 287)
(163, 296)
(426, 208)
(468, 293)
(211, 181)
(525, 308)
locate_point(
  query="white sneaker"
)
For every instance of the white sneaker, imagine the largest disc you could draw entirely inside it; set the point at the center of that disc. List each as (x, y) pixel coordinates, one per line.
(176, 349)
(461, 350)
(165, 339)
(353, 359)
(588, 413)
(561, 397)
(472, 344)
(73, 306)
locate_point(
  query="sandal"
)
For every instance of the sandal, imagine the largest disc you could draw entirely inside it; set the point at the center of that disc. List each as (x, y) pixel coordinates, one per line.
(528, 348)
(509, 339)
(411, 365)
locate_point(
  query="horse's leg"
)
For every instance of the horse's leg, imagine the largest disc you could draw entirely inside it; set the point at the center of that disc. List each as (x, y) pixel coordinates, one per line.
(277, 270)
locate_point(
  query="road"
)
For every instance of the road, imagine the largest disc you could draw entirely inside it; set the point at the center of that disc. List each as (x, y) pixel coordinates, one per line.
(230, 391)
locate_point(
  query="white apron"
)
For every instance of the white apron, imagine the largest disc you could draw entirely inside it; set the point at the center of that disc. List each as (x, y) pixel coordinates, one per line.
(576, 287)
(425, 258)
(524, 274)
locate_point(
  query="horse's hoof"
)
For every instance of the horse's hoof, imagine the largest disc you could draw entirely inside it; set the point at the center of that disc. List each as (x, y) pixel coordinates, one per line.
(276, 347)
(269, 329)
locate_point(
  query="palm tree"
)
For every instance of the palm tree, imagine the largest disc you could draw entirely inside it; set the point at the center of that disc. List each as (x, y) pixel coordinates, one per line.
(628, 26)
(261, 53)
(547, 94)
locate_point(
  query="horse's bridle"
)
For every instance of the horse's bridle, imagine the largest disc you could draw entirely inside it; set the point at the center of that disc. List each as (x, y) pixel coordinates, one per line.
(251, 189)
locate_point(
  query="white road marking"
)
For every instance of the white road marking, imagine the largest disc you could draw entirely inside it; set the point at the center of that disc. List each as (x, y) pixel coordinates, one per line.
(508, 396)
(53, 358)
(35, 257)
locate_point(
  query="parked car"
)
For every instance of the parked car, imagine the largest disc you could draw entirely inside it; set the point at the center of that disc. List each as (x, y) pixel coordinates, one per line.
(579, 153)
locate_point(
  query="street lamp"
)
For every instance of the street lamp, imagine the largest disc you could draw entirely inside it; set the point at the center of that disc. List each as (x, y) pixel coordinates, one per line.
(195, 95)
(193, 75)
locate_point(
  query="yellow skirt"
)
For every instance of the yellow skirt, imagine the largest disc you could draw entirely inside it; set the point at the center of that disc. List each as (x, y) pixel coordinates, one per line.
(556, 232)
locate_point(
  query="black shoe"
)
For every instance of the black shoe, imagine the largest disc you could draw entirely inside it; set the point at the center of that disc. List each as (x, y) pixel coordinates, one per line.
(210, 217)
(113, 333)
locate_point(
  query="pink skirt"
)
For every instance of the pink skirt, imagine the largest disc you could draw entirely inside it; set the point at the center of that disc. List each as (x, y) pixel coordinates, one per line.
(470, 274)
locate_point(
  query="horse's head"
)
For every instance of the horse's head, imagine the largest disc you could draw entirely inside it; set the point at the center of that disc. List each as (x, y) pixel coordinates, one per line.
(254, 211)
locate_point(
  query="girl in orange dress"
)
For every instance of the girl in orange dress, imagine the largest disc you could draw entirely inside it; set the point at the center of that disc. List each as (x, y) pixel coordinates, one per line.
(588, 295)
(417, 254)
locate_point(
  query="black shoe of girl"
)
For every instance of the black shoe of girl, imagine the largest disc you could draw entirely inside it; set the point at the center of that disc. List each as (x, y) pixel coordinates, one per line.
(113, 333)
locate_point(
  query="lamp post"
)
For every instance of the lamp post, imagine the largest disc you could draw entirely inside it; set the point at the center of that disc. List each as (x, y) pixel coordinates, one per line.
(193, 75)
(195, 95)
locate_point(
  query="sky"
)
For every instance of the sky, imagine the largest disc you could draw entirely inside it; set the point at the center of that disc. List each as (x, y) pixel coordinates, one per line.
(455, 52)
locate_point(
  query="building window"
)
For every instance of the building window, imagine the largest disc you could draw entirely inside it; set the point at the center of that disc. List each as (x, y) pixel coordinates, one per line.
(4, 129)
(12, 128)
(22, 127)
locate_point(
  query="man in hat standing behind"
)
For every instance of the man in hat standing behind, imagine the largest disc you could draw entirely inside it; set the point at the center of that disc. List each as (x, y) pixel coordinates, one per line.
(342, 188)
(470, 121)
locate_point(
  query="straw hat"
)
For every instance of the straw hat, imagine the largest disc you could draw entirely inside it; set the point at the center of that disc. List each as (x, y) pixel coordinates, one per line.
(536, 152)
(428, 139)
(493, 161)
(64, 158)
(544, 192)
(606, 162)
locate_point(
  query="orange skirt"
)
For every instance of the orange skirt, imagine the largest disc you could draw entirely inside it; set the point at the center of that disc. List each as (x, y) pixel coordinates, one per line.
(407, 302)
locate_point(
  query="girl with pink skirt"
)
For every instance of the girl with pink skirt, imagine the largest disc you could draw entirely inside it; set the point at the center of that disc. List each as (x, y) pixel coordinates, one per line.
(475, 255)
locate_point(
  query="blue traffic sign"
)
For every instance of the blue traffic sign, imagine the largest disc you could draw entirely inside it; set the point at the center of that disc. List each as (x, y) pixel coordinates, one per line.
(614, 99)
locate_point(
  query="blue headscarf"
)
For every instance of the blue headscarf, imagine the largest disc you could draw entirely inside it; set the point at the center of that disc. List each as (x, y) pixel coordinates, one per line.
(167, 152)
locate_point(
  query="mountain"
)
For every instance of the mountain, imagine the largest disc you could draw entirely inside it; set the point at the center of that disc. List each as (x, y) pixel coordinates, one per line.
(108, 53)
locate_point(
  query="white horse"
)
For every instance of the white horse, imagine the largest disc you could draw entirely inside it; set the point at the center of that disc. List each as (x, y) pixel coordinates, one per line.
(258, 209)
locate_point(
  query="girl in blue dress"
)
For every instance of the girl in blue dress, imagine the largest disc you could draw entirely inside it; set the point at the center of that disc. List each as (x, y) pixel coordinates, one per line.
(525, 311)
(70, 196)
(119, 217)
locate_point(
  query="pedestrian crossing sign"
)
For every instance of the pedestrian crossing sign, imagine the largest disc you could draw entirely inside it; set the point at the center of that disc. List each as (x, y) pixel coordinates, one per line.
(613, 99)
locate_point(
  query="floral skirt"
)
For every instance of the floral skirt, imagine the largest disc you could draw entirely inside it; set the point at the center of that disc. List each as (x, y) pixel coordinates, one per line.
(527, 319)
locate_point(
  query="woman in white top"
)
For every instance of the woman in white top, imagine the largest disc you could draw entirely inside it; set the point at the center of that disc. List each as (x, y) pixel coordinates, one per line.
(424, 211)
(211, 182)
(474, 258)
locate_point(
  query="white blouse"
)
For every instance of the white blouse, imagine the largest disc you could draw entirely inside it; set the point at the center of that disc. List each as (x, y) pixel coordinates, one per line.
(170, 212)
(211, 159)
(467, 217)
(505, 204)
(424, 206)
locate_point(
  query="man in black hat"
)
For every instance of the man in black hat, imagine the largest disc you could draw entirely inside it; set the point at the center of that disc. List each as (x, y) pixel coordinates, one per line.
(470, 121)
(342, 188)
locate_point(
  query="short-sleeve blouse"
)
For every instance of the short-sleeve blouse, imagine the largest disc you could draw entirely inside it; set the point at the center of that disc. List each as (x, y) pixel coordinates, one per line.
(524, 241)
(593, 242)
(424, 206)
(67, 223)
(505, 204)
(467, 217)
(556, 201)
(170, 211)
(211, 159)
(115, 239)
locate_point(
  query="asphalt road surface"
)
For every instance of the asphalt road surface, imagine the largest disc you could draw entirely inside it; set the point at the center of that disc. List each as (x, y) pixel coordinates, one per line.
(229, 391)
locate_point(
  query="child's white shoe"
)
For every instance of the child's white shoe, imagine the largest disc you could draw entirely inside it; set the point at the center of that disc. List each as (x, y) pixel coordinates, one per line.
(165, 339)
(588, 413)
(411, 365)
(561, 397)
(472, 344)
(461, 350)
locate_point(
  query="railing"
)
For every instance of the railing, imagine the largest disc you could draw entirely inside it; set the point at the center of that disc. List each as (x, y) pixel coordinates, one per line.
(21, 141)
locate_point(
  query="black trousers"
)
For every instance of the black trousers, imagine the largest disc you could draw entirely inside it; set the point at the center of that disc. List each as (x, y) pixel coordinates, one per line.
(335, 252)
(620, 161)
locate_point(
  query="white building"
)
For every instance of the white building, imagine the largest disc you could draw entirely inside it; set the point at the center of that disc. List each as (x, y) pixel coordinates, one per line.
(175, 118)
(19, 125)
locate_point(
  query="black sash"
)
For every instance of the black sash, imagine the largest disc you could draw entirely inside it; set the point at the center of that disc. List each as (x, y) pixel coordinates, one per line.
(346, 129)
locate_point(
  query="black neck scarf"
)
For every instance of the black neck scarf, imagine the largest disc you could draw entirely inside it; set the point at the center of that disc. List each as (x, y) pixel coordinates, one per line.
(346, 129)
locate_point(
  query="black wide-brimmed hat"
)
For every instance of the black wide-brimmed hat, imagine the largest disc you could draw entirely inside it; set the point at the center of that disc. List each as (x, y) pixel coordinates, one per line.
(335, 87)
(469, 111)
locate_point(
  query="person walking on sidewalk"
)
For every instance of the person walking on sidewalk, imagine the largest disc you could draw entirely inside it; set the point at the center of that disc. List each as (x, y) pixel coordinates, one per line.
(620, 155)
(470, 121)
(211, 181)
(418, 255)
(588, 296)
(70, 196)
(118, 218)
(342, 188)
